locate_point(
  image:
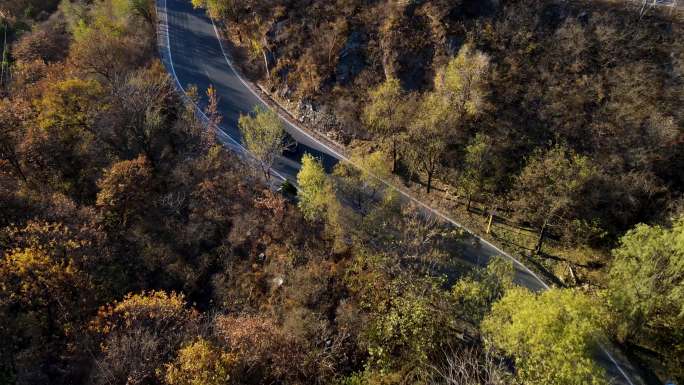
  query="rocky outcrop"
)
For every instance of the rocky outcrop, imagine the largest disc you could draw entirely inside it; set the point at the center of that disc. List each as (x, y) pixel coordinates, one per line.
(322, 119)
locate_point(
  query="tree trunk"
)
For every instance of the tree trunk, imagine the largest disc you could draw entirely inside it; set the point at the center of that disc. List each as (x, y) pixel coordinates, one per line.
(268, 72)
(489, 223)
(19, 171)
(470, 200)
(540, 241)
(429, 182)
(4, 56)
(394, 155)
(13, 160)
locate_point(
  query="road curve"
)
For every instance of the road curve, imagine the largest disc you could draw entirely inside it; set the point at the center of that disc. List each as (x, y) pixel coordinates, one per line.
(192, 52)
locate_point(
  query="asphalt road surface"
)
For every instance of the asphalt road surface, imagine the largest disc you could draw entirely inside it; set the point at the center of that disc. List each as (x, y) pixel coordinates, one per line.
(194, 55)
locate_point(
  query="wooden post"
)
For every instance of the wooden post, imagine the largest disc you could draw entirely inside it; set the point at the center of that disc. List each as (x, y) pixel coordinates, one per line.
(572, 273)
(489, 223)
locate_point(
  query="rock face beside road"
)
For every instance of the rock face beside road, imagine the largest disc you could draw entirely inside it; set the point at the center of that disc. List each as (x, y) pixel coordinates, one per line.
(322, 118)
(312, 115)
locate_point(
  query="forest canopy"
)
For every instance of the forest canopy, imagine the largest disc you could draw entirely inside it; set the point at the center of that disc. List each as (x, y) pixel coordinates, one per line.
(135, 249)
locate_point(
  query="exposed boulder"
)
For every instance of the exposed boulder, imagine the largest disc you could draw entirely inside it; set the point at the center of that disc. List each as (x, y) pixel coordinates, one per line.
(321, 119)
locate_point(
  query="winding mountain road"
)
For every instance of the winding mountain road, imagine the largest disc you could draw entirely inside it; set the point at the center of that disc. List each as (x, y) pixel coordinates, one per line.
(193, 53)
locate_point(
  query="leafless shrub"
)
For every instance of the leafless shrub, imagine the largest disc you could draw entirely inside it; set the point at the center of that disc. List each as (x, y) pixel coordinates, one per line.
(470, 366)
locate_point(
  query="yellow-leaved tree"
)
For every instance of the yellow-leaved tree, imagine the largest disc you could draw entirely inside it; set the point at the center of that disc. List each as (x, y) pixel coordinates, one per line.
(264, 136)
(646, 291)
(200, 363)
(551, 336)
(387, 114)
(315, 189)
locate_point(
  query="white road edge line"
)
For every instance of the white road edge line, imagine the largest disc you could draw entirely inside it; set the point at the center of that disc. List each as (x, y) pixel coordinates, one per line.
(342, 157)
(180, 86)
(390, 185)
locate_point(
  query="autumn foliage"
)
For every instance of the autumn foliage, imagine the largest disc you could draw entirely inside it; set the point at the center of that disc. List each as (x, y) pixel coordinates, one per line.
(136, 250)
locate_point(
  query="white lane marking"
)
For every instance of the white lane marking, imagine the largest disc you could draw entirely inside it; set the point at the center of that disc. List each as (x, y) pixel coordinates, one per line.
(619, 368)
(237, 74)
(197, 107)
(342, 157)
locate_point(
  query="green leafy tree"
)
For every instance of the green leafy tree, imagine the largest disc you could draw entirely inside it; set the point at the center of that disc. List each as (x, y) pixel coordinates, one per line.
(264, 136)
(549, 186)
(361, 181)
(476, 292)
(217, 9)
(406, 333)
(476, 166)
(427, 136)
(253, 33)
(315, 189)
(411, 320)
(61, 147)
(551, 336)
(107, 41)
(646, 290)
(463, 81)
(387, 113)
(459, 93)
(70, 105)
